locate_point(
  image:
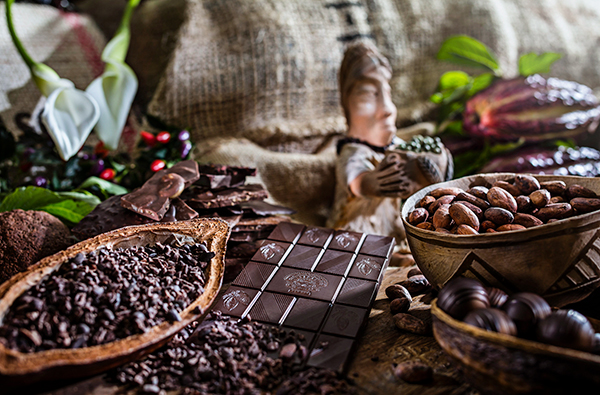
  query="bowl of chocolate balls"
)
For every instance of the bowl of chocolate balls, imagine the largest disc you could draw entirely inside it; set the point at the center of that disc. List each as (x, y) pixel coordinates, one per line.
(515, 344)
(516, 232)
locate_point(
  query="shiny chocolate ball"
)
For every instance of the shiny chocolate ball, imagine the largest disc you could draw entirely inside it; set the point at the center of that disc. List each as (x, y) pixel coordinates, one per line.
(496, 296)
(492, 320)
(566, 328)
(526, 310)
(461, 296)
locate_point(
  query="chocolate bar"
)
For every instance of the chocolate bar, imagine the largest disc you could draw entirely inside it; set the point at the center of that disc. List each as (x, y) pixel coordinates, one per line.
(315, 280)
(202, 198)
(221, 176)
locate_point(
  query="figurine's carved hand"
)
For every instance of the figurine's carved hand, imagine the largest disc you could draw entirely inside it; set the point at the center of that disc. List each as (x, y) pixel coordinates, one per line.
(389, 179)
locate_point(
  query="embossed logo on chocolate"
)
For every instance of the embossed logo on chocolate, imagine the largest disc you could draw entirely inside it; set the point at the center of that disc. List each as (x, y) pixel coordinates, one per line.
(305, 283)
(343, 317)
(268, 251)
(345, 239)
(233, 299)
(313, 235)
(367, 265)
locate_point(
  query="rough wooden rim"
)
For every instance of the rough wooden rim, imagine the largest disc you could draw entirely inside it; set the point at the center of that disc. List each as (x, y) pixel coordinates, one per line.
(509, 342)
(63, 363)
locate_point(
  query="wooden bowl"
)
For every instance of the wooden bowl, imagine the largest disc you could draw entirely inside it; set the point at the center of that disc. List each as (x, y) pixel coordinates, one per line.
(17, 367)
(496, 363)
(559, 261)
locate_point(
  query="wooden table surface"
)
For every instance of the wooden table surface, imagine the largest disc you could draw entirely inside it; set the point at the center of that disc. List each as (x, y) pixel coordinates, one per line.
(381, 346)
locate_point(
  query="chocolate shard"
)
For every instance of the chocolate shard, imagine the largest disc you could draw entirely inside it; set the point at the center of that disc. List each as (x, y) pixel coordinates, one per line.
(153, 198)
(262, 208)
(179, 211)
(221, 176)
(202, 198)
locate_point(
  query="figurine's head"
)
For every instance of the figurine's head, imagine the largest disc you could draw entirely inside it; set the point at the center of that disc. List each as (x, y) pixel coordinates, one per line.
(366, 94)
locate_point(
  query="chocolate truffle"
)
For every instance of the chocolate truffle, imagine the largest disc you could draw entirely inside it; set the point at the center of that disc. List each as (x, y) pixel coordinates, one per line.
(566, 328)
(492, 320)
(28, 236)
(496, 296)
(526, 310)
(462, 295)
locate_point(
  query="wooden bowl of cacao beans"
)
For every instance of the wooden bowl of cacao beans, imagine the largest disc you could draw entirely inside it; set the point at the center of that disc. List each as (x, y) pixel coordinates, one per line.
(528, 233)
(496, 363)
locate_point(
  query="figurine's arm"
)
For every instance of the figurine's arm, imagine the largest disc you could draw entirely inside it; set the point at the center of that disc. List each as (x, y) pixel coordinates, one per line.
(388, 179)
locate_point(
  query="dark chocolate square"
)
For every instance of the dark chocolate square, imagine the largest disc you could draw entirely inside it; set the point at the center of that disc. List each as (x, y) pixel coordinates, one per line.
(345, 240)
(367, 267)
(315, 236)
(286, 231)
(254, 275)
(357, 292)
(345, 320)
(270, 307)
(270, 252)
(302, 257)
(377, 245)
(330, 352)
(303, 283)
(335, 262)
(235, 301)
(306, 314)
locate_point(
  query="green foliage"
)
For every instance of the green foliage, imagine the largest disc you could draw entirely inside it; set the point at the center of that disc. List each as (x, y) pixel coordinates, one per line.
(532, 63)
(69, 207)
(467, 51)
(471, 161)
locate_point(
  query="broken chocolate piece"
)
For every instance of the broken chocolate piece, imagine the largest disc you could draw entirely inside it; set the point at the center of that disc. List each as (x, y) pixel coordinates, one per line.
(179, 211)
(202, 198)
(262, 208)
(221, 176)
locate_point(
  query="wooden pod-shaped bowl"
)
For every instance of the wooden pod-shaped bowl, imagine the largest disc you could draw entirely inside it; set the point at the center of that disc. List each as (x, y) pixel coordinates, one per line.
(496, 363)
(17, 367)
(559, 261)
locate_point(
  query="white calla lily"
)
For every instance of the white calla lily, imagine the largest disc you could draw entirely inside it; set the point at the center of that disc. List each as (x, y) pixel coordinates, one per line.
(69, 113)
(72, 113)
(115, 89)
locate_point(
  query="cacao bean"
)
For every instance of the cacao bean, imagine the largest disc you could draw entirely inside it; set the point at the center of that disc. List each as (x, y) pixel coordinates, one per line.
(479, 191)
(509, 227)
(557, 199)
(417, 216)
(413, 372)
(397, 291)
(463, 216)
(416, 285)
(585, 205)
(499, 216)
(439, 192)
(490, 230)
(467, 197)
(466, 230)
(426, 226)
(446, 199)
(526, 184)
(476, 210)
(527, 220)
(400, 305)
(510, 188)
(576, 190)
(487, 224)
(425, 202)
(540, 198)
(415, 271)
(556, 188)
(553, 211)
(412, 324)
(524, 204)
(480, 182)
(502, 198)
(443, 230)
(442, 218)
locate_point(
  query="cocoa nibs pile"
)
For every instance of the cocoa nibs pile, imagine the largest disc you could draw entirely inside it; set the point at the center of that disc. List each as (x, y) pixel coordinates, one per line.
(224, 355)
(317, 381)
(105, 295)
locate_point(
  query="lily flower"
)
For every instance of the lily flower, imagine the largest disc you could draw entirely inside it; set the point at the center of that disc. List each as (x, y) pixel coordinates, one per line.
(69, 114)
(115, 89)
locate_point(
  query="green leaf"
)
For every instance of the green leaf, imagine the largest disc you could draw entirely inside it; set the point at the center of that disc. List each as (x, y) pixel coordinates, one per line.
(106, 186)
(68, 210)
(481, 82)
(453, 80)
(29, 198)
(467, 51)
(83, 196)
(532, 63)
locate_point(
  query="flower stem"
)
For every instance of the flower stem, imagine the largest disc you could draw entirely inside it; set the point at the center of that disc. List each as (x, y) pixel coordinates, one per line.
(11, 28)
(131, 4)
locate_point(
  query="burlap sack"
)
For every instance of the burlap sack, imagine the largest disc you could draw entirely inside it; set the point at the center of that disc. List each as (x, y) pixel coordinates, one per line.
(264, 71)
(69, 43)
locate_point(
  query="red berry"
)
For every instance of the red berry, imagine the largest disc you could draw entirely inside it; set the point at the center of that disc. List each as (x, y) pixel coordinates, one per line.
(157, 165)
(163, 137)
(148, 138)
(108, 174)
